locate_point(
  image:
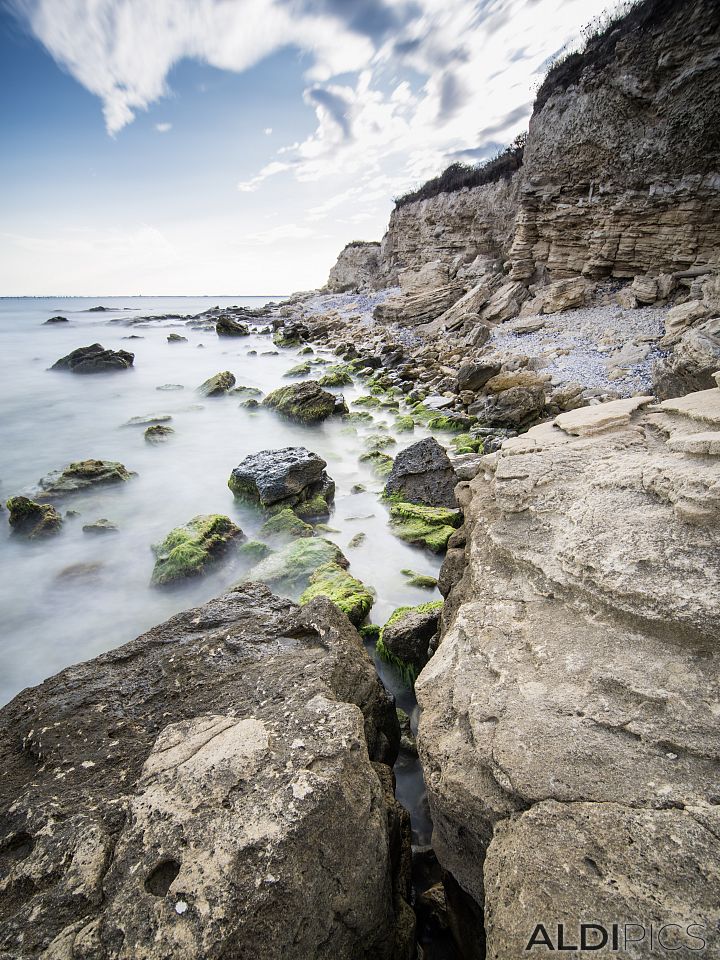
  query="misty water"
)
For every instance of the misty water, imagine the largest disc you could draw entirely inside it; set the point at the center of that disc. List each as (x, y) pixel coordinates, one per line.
(51, 418)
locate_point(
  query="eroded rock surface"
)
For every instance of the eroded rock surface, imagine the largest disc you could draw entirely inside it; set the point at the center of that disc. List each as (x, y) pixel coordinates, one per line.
(578, 675)
(206, 791)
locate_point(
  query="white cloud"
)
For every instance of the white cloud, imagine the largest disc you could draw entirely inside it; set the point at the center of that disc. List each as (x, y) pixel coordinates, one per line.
(163, 127)
(267, 131)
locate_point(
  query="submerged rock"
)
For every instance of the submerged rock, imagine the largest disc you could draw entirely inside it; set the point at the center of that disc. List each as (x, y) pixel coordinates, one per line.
(289, 476)
(429, 527)
(217, 792)
(82, 475)
(291, 567)
(176, 338)
(227, 327)
(285, 525)
(57, 320)
(100, 527)
(348, 594)
(33, 520)
(423, 473)
(158, 433)
(148, 420)
(95, 359)
(423, 580)
(304, 402)
(337, 376)
(299, 370)
(381, 463)
(188, 551)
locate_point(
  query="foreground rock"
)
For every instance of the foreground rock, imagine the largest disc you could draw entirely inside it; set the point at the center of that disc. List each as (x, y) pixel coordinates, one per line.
(95, 359)
(348, 594)
(408, 633)
(82, 475)
(33, 520)
(285, 477)
(303, 402)
(206, 791)
(569, 710)
(423, 473)
(188, 551)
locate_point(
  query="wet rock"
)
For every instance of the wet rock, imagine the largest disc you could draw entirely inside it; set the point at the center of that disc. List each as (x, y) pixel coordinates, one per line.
(285, 525)
(188, 551)
(148, 420)
(217, 788)
(100, 527)
(429, 527)
(226, 326)
(291, 567)
(218, 385)
(299, 370)
(158, 433)
(423, 580)
(33, 520)
(408, 632)
(80, 573)
(95, 359)
(336, 376)
(303, 402)
(348, 594)
(381, 463)
(82, 475)
(289, 476)
(423, 473)
(57, 320)
(357, 540)
(407, 738)
(176, 338)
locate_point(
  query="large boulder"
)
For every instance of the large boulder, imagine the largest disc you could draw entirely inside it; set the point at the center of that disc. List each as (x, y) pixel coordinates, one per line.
(33, 520)
(95, 359)
(82, 475)
(474, 374)
(568, 729)
(188, 551)
(514, 407)
(207, 791)
(423, 473)
(303, 402)
(284, 477)
(691, 364)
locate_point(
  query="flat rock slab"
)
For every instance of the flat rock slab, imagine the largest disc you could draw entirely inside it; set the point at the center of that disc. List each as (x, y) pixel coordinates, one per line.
(703, 405)
(600, 417)
(204, 791)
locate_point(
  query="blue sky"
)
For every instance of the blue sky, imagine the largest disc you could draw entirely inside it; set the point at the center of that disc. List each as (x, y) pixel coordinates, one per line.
(234, 146)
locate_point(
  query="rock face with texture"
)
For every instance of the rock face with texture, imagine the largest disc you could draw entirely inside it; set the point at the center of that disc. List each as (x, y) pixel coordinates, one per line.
(33, 520)
(188, 551)
(691, 364)
(95, 359)
(303, 402)
(569, 715)
(226, 326)
(423, 473)
(207, 791)
(82, 475)
(218, 385)
(357, 269)
(409, 631)
(284, 477)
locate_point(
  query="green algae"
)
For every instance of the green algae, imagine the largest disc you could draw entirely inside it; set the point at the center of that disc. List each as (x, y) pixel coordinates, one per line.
(341, 588)
(187, 551)
(429, 527)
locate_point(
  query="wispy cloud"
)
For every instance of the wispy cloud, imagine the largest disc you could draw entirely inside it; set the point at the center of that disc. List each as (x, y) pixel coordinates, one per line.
(163, 127)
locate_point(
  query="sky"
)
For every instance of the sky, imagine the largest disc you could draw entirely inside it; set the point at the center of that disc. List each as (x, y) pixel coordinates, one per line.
(190, 147)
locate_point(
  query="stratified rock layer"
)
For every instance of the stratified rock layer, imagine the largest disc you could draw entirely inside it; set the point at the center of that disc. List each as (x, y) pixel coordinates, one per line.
(579, 677)
(205, 791)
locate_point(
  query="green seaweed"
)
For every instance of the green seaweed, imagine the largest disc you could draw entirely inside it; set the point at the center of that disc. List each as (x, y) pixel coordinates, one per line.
(284, 524)
(188, 550)
(292, 566)
(341, 588)
(429, 527)
(336, 376)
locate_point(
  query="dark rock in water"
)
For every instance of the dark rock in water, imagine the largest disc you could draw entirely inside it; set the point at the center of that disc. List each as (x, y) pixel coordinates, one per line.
(80, 573)
(98, 309)
(100, 527)
(188, 551)
(95, 359)
(176, 338)
(227, 327)
(33, 520)
(218, 385)
(133, 336)
(287, 476)
(56, 320)
(82, 475)
(474, 375)
(207, 789)
(423, 473)
(304, 402)
(158, 433)
(408, 633)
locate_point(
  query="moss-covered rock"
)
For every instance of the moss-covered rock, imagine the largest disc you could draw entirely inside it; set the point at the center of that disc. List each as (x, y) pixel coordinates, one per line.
(358, 416)
(283, 339)
(429, 527)
(253, 550)
(299, 370)
(336, 376)
(33, 520)
(285, 525)
(291, 567)
(357, 540)
(380, 462)
(316, 508)
(404, 424)
(348, 594)
(158, 433)
(82, 475)
(218, 385)
(404, 639)
(188, 551)
(465, 443)
(378, 441)
(303, 402)
(245, 391)
(306, 350)
(422, 580)
(371, 631)
(367, 400)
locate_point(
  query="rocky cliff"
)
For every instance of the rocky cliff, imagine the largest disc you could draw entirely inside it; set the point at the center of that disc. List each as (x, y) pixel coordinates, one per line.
(357, 268)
